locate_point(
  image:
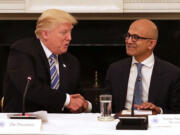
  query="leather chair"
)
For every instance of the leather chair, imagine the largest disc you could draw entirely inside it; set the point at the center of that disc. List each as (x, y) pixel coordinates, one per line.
(2, 103)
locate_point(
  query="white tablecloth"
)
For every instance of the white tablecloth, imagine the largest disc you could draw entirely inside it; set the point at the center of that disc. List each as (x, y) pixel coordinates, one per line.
(87, 124)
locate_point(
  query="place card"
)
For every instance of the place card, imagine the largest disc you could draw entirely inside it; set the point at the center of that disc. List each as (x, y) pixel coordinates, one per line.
(164, 120)
(137, 112)
(24, 125)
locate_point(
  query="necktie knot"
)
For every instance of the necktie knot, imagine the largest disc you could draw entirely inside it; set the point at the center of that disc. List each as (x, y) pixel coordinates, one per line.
(139, 67)
(53, 56)
(52, 59)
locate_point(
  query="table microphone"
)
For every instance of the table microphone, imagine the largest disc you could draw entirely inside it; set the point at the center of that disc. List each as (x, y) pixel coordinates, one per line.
(24, 115)
(139, 122)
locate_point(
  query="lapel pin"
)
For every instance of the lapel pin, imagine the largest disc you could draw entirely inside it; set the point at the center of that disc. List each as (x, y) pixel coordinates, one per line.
(64, 65)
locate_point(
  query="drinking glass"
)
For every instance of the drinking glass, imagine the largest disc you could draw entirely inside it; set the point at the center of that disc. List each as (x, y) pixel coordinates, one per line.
(105, 108)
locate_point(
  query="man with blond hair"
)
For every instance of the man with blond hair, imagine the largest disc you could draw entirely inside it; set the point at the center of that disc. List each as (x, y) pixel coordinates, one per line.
(143, 80)
(54, 73)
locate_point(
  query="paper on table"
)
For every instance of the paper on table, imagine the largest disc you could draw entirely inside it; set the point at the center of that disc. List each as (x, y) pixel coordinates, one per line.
(137, 112)
(41, 115)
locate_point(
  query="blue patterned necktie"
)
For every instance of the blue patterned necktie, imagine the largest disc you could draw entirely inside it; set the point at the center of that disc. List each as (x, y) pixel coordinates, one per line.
(138, 86)
(53, 72)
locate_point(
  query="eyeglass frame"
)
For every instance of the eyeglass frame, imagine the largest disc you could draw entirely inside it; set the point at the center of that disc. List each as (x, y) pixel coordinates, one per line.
(134, 37)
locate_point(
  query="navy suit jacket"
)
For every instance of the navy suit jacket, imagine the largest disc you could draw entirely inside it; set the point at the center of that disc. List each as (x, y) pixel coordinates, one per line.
(27, 58)
(164, 88)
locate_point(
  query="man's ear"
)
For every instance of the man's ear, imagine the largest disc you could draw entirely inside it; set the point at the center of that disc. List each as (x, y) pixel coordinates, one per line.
(152, 44)
(44, 34)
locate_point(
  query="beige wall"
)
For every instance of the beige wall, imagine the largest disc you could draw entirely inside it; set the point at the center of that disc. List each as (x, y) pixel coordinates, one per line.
(93, 9)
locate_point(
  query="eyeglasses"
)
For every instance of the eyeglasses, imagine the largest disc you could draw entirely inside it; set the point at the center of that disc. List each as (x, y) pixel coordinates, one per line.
(134, 37)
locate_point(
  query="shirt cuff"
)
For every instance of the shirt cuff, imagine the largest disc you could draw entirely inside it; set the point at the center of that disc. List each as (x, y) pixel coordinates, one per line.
(89, 107)
(161, 110)
(67, 101)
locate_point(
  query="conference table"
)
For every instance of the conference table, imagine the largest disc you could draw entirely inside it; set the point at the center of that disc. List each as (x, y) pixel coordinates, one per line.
(88, 124)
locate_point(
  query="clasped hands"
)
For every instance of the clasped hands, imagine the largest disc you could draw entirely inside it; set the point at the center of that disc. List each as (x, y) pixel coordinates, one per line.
(77, 103)
(148, 106)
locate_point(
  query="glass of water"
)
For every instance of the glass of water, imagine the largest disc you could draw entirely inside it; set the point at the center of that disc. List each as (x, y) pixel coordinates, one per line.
(105, 108)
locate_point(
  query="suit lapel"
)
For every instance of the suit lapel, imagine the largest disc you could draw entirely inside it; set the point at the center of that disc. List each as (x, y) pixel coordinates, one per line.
(126, 72)
(63, 67)
(124, 81)
(155, 85)
(43, 56)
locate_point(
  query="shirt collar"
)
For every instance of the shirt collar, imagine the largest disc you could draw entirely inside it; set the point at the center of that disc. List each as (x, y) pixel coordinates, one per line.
(149, 62)
(46, 50)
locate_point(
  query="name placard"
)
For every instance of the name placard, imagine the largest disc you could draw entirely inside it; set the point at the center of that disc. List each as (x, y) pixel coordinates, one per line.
(24, 125)
(137, 112)
(164, 120)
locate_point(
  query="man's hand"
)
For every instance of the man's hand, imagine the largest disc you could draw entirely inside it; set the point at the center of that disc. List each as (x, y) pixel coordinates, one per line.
(77, 103)
(148, 106)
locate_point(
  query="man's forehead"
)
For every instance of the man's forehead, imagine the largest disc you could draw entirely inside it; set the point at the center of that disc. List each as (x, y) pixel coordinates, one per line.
(138, 28)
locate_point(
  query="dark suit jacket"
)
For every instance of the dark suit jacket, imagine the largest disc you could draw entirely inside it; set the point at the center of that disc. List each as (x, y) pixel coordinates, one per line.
(164, 88)
(27, 58)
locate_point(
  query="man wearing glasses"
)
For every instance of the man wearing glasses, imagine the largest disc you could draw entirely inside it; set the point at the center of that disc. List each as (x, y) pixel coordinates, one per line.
(143, 80)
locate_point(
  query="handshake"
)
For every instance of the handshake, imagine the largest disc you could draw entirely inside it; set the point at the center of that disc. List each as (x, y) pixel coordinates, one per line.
(77, 104)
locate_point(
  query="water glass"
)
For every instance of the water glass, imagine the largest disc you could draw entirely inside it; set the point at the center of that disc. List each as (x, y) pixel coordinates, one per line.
(105, 108)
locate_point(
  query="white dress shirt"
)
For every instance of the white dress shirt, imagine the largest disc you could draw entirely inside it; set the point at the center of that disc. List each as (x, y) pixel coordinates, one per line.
(67, 101)
(146, 71)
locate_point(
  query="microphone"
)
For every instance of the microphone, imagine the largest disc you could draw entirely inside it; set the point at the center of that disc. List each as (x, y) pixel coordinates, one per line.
(24, 95)
(24, 115)
(139, 122)
(132, 107)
